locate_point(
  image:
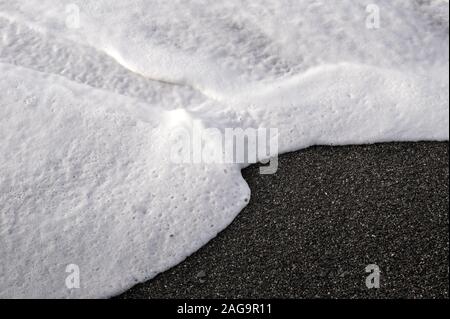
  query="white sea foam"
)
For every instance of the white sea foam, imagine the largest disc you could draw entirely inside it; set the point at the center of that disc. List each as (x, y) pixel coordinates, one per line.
(88, 105)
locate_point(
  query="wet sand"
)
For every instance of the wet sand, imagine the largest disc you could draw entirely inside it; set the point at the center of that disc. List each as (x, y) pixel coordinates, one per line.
(310, 230)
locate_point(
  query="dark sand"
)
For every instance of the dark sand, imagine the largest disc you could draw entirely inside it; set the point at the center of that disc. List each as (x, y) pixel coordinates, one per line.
(311, 229)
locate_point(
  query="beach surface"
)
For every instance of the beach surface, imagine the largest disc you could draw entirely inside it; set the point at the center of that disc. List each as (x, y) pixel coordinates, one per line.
(310, 230)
